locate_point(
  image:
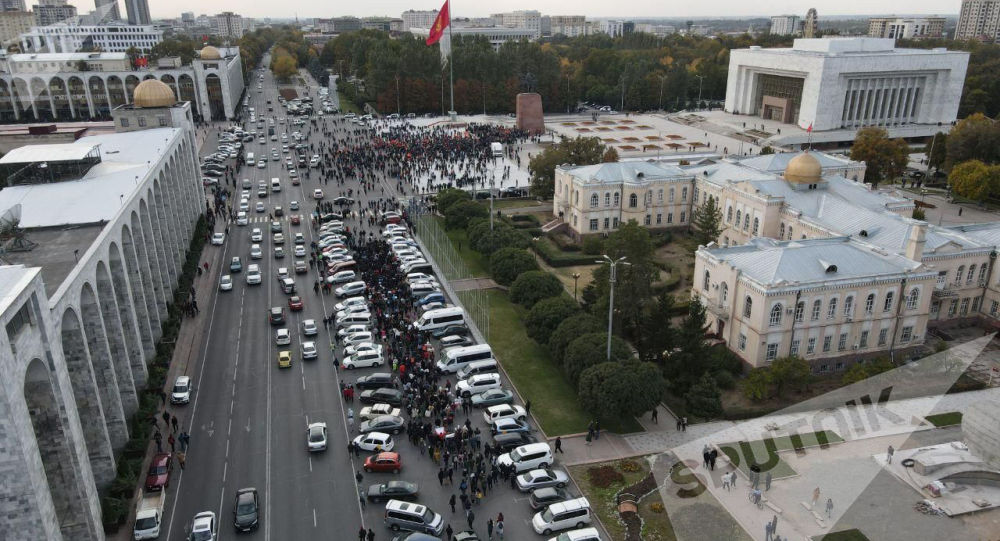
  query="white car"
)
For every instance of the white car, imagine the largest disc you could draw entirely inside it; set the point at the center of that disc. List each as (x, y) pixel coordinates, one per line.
(477, 384)
(353, 309)
(377, 410)
(279, 238)
(294, 205)
(282, 337)
(341, 277)
(351, 301)
(362, 347)
(316, 437)
(364, 359)
(300, 251)
(226, 283)
(504, 411)
(358, 338)
(204, 527)
(218, 239)
(371, 440)
(350, 289)
(317, 194)
(253, 275)
(259, 207)
(309, 350)
(352, 329)
(256, 252)
(299, 238)
(309, 327)
(256, 235)
(241, 219)
(181, 393)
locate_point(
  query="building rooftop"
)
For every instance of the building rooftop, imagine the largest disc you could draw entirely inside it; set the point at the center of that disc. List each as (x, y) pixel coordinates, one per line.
(776, 263)
(777, 163)
(56, 252)
(65, 57)
(47, 153)
(98, 195)
(847, 46)
(618, 172)
(13, 279)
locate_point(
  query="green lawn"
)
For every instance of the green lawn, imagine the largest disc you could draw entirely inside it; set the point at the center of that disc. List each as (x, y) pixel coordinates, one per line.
(945, 419)
(741, 457)
(346, 105)
(553, 400)
(656, 525)
(843, 535)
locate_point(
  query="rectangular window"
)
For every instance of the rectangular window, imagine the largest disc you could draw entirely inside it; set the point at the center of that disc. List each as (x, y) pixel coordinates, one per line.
(965, 307)
(907, 334)
(671, 195)
(882, 335)
(163, 121)
(863, 341)
(840, 366)
(607, 223)
(649, 219)
(670, 217)
(824, 367)
(682, 216)
(743, 342)
(684, 194)
(593, 224)
(953, 307)
(772, 352)
(124, 122)
(994, 307)
(21, 319)
(831, 310)
(842, 343)
(827, 342)
(614, 222)
(142, 121)
(815, 311)
(976, 303)
(795, 347)
(659, 219)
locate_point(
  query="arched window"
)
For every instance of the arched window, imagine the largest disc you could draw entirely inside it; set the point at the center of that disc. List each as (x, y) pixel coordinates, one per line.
(912, 299)
(775, 319)
(959, 274)
(593, 201)
(729, 215)
(725, 293)
(781, 231)
(576, 198)
(849, 306)
(747, 306)
(649, 197)
(607, 199)
(746, 221)
(756, 226)
(617, 198)
(888, 302)
(706, 282)
(659, 195)
(739, 215)
(870, 304)
(982, 274)
(684, 194)
(831, 309)
(789, 232)
(817, 306)
(800, 308)
(671, 195)
(971, 275)
(633, 201)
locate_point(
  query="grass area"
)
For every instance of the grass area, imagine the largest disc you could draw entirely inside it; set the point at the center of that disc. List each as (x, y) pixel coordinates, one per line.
(519, 203)
(945, 419)
(477, 264)
(656, 525)
(553, 400)
(843, 535)
(741, 454)
(346, 105)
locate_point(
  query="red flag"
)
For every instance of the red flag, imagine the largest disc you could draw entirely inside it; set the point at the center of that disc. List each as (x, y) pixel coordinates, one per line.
(442, 22)
(810, 128)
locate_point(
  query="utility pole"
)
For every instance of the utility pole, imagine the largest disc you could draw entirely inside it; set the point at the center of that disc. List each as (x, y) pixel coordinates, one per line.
(663, 79)
(397, 95)
(701, 79)
(622, 108)
(611, 297)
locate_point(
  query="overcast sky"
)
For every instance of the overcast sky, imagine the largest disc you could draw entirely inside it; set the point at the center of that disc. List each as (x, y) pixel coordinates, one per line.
(590, 8)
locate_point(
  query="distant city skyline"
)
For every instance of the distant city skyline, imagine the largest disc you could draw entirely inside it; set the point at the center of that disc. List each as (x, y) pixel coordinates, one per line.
(590, 8)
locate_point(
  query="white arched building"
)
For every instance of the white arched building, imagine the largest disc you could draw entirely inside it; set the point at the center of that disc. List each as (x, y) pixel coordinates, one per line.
(111, 217)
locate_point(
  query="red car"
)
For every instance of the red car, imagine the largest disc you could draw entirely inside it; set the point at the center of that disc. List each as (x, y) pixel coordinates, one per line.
(159, 472)
(383, 462)
(295, 219)
(295, 303)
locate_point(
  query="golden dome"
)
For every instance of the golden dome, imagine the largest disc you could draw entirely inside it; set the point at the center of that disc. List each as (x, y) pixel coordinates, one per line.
(210, 53)
(153, 93)
(804, 169)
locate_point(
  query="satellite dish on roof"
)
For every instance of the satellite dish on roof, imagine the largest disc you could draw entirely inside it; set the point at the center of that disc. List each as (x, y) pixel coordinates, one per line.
(12, 237)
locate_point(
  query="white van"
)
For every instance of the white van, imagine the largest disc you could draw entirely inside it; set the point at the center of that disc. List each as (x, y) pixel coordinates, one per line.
(562, 515)
(275, 185)
(479, 367)
(250, 158)
(440, 318)
(363, 318)
(456, 359)
(527, 457)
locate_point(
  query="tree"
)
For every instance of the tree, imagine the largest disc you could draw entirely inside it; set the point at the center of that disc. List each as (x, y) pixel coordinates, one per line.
(621, 389)
(918, 214)
(861, 371)
(704, 398)
(507, 263)
(884, 158)
(458, 215)
(533, 286)
(974, 179)
(757, 385)
(570, 329)
(546, 315)
(976, 137)
(633, 290)
(936, 151)
(788, 372)
(592, 245)
(284, 67)
(708, 222)
(656, 333)
(592, 349)
(578, 151)
(689, 357)
(448, 197)
(485, 241)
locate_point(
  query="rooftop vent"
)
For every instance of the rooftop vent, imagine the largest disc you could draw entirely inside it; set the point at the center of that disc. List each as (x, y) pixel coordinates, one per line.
(829, 267)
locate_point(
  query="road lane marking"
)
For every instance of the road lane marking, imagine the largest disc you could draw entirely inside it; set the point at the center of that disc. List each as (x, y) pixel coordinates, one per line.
(225, 465)
(314, 517)
(310, 463)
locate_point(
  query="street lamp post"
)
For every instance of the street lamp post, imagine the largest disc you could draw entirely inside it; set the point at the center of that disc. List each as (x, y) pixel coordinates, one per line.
(613, 263)
(663, 79)
(622, 108)
(576, 278)
(701, 79)
(397, 95)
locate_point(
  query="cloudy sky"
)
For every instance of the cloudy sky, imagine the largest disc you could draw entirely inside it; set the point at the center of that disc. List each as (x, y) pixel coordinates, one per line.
(591, 8)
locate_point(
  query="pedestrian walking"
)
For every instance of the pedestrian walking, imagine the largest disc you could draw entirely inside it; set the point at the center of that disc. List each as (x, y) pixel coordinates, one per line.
(500, 530)
(181, 459)
(361, 533)
(656, 418)
(451, 502)
(361, 498)
(559, 444)
(889, 454)
(815, 497)
(678, 424)
(173, 421)
(768, 531)
(829, 507)
(774, 525)
(590, 436)
(450, 532)
(171, 441)
(166, 418)
(470, 517)
(371, 535)
(489, 528)
(725, 482)
(358, 477)
(159, 441)
(684, 424)
(767, 482)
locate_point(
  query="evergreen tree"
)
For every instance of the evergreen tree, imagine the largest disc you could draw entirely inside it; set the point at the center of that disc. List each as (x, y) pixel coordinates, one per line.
(708, 222)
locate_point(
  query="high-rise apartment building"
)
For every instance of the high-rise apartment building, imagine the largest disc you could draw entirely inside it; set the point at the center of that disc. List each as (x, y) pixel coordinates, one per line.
(418, 19)
(526, 19)
(53, 11)
(979, 19)
(138, 11)
(810, 27)
(231, 25)
(568, 25)
(107, 10)
(785, 25)
(617, 29)
(15, 23)
(12, 5)
(906, 28)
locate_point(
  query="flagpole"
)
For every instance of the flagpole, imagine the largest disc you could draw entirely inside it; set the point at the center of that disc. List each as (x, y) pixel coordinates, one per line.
(451, 62)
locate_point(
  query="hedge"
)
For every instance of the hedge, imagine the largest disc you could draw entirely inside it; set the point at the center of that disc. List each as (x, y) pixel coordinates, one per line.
(556, 258)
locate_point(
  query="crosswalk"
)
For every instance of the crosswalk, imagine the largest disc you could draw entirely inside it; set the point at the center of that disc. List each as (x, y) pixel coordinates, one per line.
(265, 219)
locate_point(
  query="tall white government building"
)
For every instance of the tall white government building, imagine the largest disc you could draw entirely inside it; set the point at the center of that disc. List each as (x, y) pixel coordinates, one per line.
(847, 83)
(522, 19)
(105, 38)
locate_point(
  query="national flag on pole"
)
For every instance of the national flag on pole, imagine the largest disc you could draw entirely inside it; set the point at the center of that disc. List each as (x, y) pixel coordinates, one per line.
(440, 23)
(810, 128)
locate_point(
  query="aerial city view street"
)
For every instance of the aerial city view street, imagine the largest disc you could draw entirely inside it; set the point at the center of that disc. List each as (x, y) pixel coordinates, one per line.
(469, 272)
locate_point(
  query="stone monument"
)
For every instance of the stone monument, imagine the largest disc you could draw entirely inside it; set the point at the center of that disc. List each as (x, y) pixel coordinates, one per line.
(529, 113)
